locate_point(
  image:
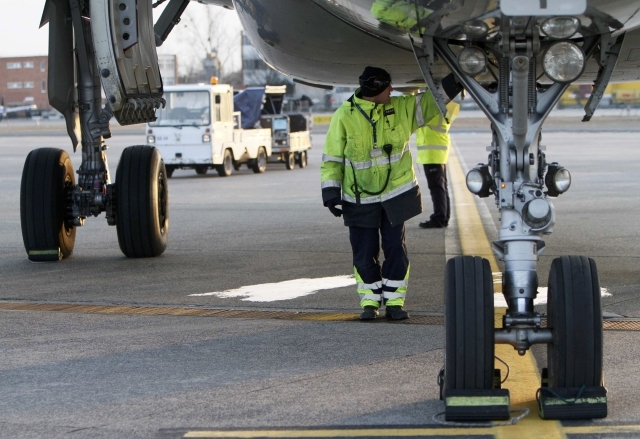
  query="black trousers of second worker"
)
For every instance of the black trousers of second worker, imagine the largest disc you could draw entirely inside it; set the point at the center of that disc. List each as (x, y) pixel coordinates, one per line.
(365, 244)
(437, 182)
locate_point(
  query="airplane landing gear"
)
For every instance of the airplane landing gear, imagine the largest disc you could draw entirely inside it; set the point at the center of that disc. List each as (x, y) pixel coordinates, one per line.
(114, 49)
(517, 99)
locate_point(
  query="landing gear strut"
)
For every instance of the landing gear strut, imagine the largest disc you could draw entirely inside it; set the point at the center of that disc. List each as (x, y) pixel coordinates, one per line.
(522, 181)
(103, 44)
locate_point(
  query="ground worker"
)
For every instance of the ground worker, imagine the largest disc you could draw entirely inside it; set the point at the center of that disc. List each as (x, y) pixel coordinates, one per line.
(367, 168)
(433, 143)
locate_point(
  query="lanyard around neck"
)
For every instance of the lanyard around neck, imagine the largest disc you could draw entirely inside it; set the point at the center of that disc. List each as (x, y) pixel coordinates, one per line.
(373, 124)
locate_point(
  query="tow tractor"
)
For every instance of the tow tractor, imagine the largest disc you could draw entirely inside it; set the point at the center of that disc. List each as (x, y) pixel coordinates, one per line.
(205, 126)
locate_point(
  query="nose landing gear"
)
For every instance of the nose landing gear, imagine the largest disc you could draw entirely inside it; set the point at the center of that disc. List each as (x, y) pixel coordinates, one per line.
(517, 106)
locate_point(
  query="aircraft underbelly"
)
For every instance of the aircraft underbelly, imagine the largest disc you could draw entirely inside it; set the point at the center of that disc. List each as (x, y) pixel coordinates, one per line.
(303, 40)
(329, 42)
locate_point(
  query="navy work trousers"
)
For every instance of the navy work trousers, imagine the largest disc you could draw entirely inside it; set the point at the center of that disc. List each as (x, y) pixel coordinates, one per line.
(365, 244)
(437, 182)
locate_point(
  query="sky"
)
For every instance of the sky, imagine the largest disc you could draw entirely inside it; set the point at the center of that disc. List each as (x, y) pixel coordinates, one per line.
(20, 36)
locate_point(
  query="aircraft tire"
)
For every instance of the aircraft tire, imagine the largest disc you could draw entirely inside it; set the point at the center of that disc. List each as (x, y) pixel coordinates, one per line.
(260, 163)
(142, 202)
(47, 178)
(290, 158)
(303, 159)
(201, 170)
(469, 322)
(575, 316)
(226, 168)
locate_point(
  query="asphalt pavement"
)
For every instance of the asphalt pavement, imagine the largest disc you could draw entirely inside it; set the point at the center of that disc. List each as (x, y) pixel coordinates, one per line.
(101, 346)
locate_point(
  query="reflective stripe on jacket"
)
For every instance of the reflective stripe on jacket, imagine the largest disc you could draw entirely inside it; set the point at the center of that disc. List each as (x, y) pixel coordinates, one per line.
(348, 149)
(433, 139)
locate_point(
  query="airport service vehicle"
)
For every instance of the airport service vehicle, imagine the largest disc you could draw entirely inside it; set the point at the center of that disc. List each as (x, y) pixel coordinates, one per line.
(514, 57)
(199, 129)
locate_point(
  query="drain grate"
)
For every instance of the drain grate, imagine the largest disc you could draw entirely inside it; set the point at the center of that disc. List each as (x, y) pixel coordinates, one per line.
(631, 324)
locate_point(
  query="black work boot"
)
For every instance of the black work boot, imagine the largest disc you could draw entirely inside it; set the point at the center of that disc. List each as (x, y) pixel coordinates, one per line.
(431, 224)
(396, 313)
(369, 313)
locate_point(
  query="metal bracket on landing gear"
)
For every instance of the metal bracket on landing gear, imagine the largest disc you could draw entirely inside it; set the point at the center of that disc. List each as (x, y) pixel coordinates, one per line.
(604, 75)
(125, 47)
(426, 58)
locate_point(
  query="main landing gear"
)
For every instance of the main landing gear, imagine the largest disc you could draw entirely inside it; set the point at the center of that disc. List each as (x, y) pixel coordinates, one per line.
(95, 44)
(503, 71)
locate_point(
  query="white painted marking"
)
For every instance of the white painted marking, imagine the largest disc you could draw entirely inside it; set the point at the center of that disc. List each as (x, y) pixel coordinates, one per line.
(541, 299)
(287, 290)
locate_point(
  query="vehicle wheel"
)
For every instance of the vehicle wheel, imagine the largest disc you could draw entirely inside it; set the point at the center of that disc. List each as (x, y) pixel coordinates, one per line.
(469, 314)
(260, 164)
(201, 170)
(575, 317)
(226, 168)
(142, 202)
(303, 159)
(237, 165)
(169, 170)
(47, 180)
(290, 158)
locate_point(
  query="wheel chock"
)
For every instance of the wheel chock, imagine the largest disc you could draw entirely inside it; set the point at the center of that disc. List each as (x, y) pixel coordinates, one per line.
(476, 404)
(572, 403)
(51, 255)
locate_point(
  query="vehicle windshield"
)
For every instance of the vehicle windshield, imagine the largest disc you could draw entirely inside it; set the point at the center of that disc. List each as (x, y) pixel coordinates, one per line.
(184, 108)
(279, 124)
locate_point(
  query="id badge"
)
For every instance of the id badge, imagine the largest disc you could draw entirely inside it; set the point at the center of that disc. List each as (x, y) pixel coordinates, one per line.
(376, 152)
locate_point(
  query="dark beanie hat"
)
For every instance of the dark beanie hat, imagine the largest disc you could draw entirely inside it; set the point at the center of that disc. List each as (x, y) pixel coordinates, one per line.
(368, 86)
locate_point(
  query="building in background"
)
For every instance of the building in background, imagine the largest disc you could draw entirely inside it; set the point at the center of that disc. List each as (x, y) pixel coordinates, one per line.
(168, 69)
(23, 80)
(255, 72)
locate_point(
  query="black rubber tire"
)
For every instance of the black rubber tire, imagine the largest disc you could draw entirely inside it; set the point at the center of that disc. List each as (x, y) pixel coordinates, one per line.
(469, 314)
(290, 160)
(201, 170)
(237, 165)
(260, 163)
(226, 168)
(47, 178)
(303, 159)
(169, 170)
(574, 314)
(142, 202)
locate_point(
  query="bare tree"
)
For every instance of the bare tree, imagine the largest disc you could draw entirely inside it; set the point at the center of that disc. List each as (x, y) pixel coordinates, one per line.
(211, 39)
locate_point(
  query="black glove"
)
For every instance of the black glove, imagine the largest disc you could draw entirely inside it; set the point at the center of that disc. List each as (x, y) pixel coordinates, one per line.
(331, 205)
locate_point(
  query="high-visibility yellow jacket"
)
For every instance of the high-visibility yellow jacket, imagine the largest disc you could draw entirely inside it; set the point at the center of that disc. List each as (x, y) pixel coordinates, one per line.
(349, 156)
(433, 139)
(399, 13)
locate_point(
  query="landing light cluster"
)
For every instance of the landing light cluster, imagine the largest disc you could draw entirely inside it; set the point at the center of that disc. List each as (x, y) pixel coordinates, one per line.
(563, 60)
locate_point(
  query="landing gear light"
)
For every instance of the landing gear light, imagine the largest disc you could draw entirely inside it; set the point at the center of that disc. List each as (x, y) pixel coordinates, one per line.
(563, 61)
(479, 181)
(557, 180)
(475, 29)
(472, 61)
(560, 27)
